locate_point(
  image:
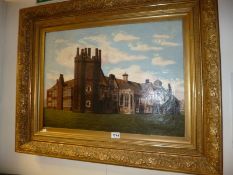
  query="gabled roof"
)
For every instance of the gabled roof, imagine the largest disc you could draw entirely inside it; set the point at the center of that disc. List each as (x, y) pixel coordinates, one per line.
(103, 80)
(136, 87)
(122, 84)
(69, 83)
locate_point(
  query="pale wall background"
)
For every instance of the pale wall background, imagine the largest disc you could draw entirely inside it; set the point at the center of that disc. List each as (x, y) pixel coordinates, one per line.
(11, 162)
(2, 32)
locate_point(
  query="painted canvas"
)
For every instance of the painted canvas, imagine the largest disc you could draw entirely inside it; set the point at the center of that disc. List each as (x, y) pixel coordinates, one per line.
(123, 78)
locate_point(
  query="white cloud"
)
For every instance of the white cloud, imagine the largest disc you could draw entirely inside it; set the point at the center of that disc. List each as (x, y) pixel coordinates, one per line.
(156, 36)
(50, 79)
(52, 76)
(136, 74)
(144, 47)
(124, 37)
(60, 41)
(159, 61)
(99, 39)
(111, 54)
(65, 56)
(162, 40)
(68, 76)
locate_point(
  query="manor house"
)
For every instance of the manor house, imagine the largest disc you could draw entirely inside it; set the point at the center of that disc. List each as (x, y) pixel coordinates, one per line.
(92, 91)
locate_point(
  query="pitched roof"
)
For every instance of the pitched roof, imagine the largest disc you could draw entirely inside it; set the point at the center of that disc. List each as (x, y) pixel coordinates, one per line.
(122, 84)
(129, 85)
(69, 83)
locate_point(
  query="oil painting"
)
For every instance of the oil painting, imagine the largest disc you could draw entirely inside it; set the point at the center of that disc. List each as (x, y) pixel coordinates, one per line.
(125, 78)
(129, 83)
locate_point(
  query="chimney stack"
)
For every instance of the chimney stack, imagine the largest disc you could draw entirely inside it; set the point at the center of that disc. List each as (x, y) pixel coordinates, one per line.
(99, 54)
(112, 76)
(78, 51)
(89, 52)
(125, 77)
(85, 51)
(96, 53)
(61, 78)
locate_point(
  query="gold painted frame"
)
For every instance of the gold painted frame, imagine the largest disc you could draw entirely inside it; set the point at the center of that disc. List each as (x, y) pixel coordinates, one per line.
(199, 152)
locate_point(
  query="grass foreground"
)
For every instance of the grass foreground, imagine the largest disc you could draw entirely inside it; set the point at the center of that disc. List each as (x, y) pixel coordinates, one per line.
(149, 124)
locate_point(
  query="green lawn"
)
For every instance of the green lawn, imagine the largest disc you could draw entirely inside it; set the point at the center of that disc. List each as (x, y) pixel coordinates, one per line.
(136, 123)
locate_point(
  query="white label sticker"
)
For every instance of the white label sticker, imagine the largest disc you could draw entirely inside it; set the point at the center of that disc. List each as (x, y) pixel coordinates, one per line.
(115, 135)
(44, 130)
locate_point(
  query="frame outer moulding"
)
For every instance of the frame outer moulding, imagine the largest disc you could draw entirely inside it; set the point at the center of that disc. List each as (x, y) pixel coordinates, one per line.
(205, 158)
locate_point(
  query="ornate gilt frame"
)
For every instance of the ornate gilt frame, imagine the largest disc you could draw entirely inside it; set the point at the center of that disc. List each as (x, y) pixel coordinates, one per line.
(199, 152)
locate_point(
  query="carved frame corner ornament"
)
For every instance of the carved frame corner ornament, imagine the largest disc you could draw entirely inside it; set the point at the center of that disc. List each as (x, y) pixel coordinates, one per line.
(200, 153)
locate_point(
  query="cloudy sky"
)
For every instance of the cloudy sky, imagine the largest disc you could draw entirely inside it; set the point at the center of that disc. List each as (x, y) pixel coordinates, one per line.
(144, 51)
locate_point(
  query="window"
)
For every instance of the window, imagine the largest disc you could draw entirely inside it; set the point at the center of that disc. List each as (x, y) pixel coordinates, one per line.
(114, 97)
(121, 99)
(136, 101)
(88, 89)
(67, 92)
(126, 100)
(131, 101)
(88, 104)
(54, 103)
(67, 103)
(54, 93)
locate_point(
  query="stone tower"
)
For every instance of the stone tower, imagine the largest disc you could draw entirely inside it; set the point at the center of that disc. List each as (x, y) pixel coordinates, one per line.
(60, 83)
(87, 71)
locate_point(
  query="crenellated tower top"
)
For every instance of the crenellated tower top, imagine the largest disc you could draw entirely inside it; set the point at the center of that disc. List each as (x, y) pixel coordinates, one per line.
(85, 55)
